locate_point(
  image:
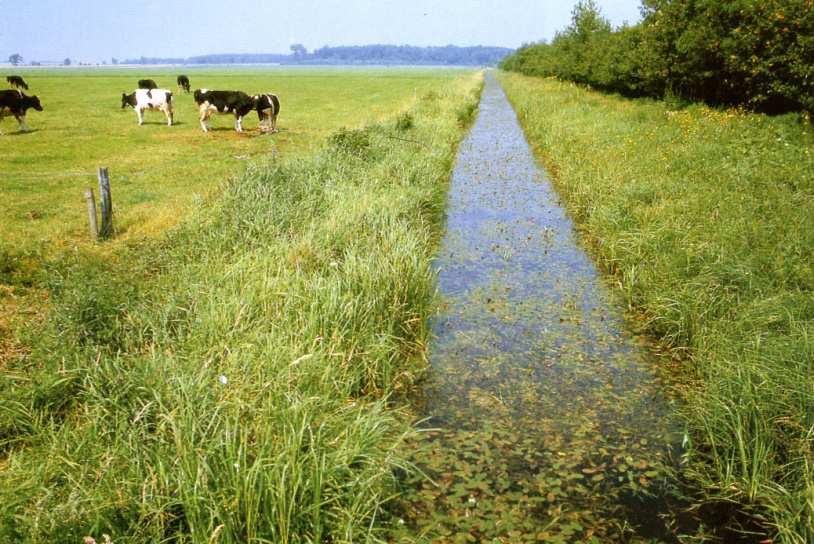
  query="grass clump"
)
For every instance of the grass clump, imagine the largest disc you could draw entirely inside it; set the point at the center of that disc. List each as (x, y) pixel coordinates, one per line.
(355, 142)
(233, 382)
(405, 122)
(703, 217)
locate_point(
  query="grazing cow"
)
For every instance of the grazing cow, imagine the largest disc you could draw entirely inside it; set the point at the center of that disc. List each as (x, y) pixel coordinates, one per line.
(147, 84)
(268, 108)
(149, 99)
(183, 83)
(236, 102)
(17, 82)
(16, 103)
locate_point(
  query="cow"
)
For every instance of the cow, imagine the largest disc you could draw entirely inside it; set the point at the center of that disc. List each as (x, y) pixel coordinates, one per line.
(17, 82)
(237, 103)
(149, 99)
(183, 83)
(268, 108)
(16, 103)
(147, 84)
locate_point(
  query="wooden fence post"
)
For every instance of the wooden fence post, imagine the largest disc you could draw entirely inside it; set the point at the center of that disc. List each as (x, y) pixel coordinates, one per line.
(105, 204)
(94, 229)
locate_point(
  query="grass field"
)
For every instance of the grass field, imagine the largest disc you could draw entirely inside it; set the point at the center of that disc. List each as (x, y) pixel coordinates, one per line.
(704, 217)
(157, 172)
(232, 380)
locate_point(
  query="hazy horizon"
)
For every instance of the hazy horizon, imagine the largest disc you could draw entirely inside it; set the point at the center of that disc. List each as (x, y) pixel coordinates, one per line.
(95, 30)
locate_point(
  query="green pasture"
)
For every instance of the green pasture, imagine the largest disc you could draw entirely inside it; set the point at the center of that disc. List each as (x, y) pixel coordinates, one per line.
(157, 170)
(233, 380)
(705, 218)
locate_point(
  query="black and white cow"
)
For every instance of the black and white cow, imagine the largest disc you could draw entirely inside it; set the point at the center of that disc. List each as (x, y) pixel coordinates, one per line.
(237, 103)
(147, 84)
(16, 103)
(183, 83)
(268, 108)
(17, 82)
(149, 99)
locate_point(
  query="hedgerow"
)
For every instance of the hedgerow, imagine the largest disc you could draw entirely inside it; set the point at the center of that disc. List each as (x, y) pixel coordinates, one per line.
(753, 53)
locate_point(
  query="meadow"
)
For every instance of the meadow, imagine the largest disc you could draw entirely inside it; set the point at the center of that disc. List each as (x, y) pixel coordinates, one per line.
(233, 379)
(158, 173)
(703, 218)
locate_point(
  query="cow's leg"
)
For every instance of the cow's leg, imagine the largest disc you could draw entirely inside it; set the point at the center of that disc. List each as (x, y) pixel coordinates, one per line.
(202, 118)
(239, 123)
(274, 121)
(168, 114)
(140, 116)
(21, 121)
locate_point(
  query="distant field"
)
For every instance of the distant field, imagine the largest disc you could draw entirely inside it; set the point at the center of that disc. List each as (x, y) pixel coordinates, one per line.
(157, 170)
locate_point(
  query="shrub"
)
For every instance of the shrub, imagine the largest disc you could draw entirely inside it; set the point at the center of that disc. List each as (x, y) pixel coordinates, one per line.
(743, 52)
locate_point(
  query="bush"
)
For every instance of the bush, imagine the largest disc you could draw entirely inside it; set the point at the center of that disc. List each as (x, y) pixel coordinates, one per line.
(743, 52)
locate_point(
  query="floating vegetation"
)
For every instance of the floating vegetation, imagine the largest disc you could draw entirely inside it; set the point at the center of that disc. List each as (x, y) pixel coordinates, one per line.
(545, 423)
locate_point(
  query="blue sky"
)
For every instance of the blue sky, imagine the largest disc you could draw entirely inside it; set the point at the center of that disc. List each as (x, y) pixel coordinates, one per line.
(95, 30)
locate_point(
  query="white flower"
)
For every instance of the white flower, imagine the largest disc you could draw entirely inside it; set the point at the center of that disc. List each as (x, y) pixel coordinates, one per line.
(334, 264)
(237, 466)
(223, 379)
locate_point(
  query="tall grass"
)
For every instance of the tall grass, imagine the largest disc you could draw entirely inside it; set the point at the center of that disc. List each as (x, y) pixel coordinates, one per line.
(704, 217)
(234, 381)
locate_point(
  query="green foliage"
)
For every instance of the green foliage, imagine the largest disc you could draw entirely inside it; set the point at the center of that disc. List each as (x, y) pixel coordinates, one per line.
(233, 382)
(747, 52)
(405, 122)
(702, 217)
(355, 142)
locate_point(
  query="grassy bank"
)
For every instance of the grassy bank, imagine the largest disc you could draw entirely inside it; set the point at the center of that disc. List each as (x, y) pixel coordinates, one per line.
(158, 172)
(231, 382)
(704, 218)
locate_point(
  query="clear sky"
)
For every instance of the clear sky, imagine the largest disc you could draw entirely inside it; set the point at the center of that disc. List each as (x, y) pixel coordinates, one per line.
(95, 30)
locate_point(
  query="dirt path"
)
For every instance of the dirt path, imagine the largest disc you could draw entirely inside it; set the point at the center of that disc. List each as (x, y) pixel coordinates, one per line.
(551, 420)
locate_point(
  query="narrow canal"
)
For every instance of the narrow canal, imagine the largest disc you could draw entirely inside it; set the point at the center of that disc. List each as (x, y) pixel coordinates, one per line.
(549, 421)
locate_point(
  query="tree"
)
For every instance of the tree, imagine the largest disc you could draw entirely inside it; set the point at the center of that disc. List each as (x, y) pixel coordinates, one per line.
(114, 60)
(66, 62)
(15, 59)
(298, 50)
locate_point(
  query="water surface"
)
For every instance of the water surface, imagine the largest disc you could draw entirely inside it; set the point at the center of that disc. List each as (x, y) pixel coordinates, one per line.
(552, 424)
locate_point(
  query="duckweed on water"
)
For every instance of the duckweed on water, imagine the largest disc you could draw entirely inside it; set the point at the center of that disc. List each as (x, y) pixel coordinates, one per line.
(545, 421)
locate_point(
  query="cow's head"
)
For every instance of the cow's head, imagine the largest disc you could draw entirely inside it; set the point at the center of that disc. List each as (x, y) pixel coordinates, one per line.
(34, 102)
(198, 95)
(128, 100)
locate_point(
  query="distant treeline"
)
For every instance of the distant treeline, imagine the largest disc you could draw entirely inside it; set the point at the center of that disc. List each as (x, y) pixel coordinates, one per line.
(363, 54)
(757, 53)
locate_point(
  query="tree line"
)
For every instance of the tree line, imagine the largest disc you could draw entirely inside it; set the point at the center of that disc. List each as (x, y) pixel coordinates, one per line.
(362, 54)
(753, 53)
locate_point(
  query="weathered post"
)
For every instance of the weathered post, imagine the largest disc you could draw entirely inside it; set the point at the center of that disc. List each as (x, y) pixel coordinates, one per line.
(94, 229)
(105, 204)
